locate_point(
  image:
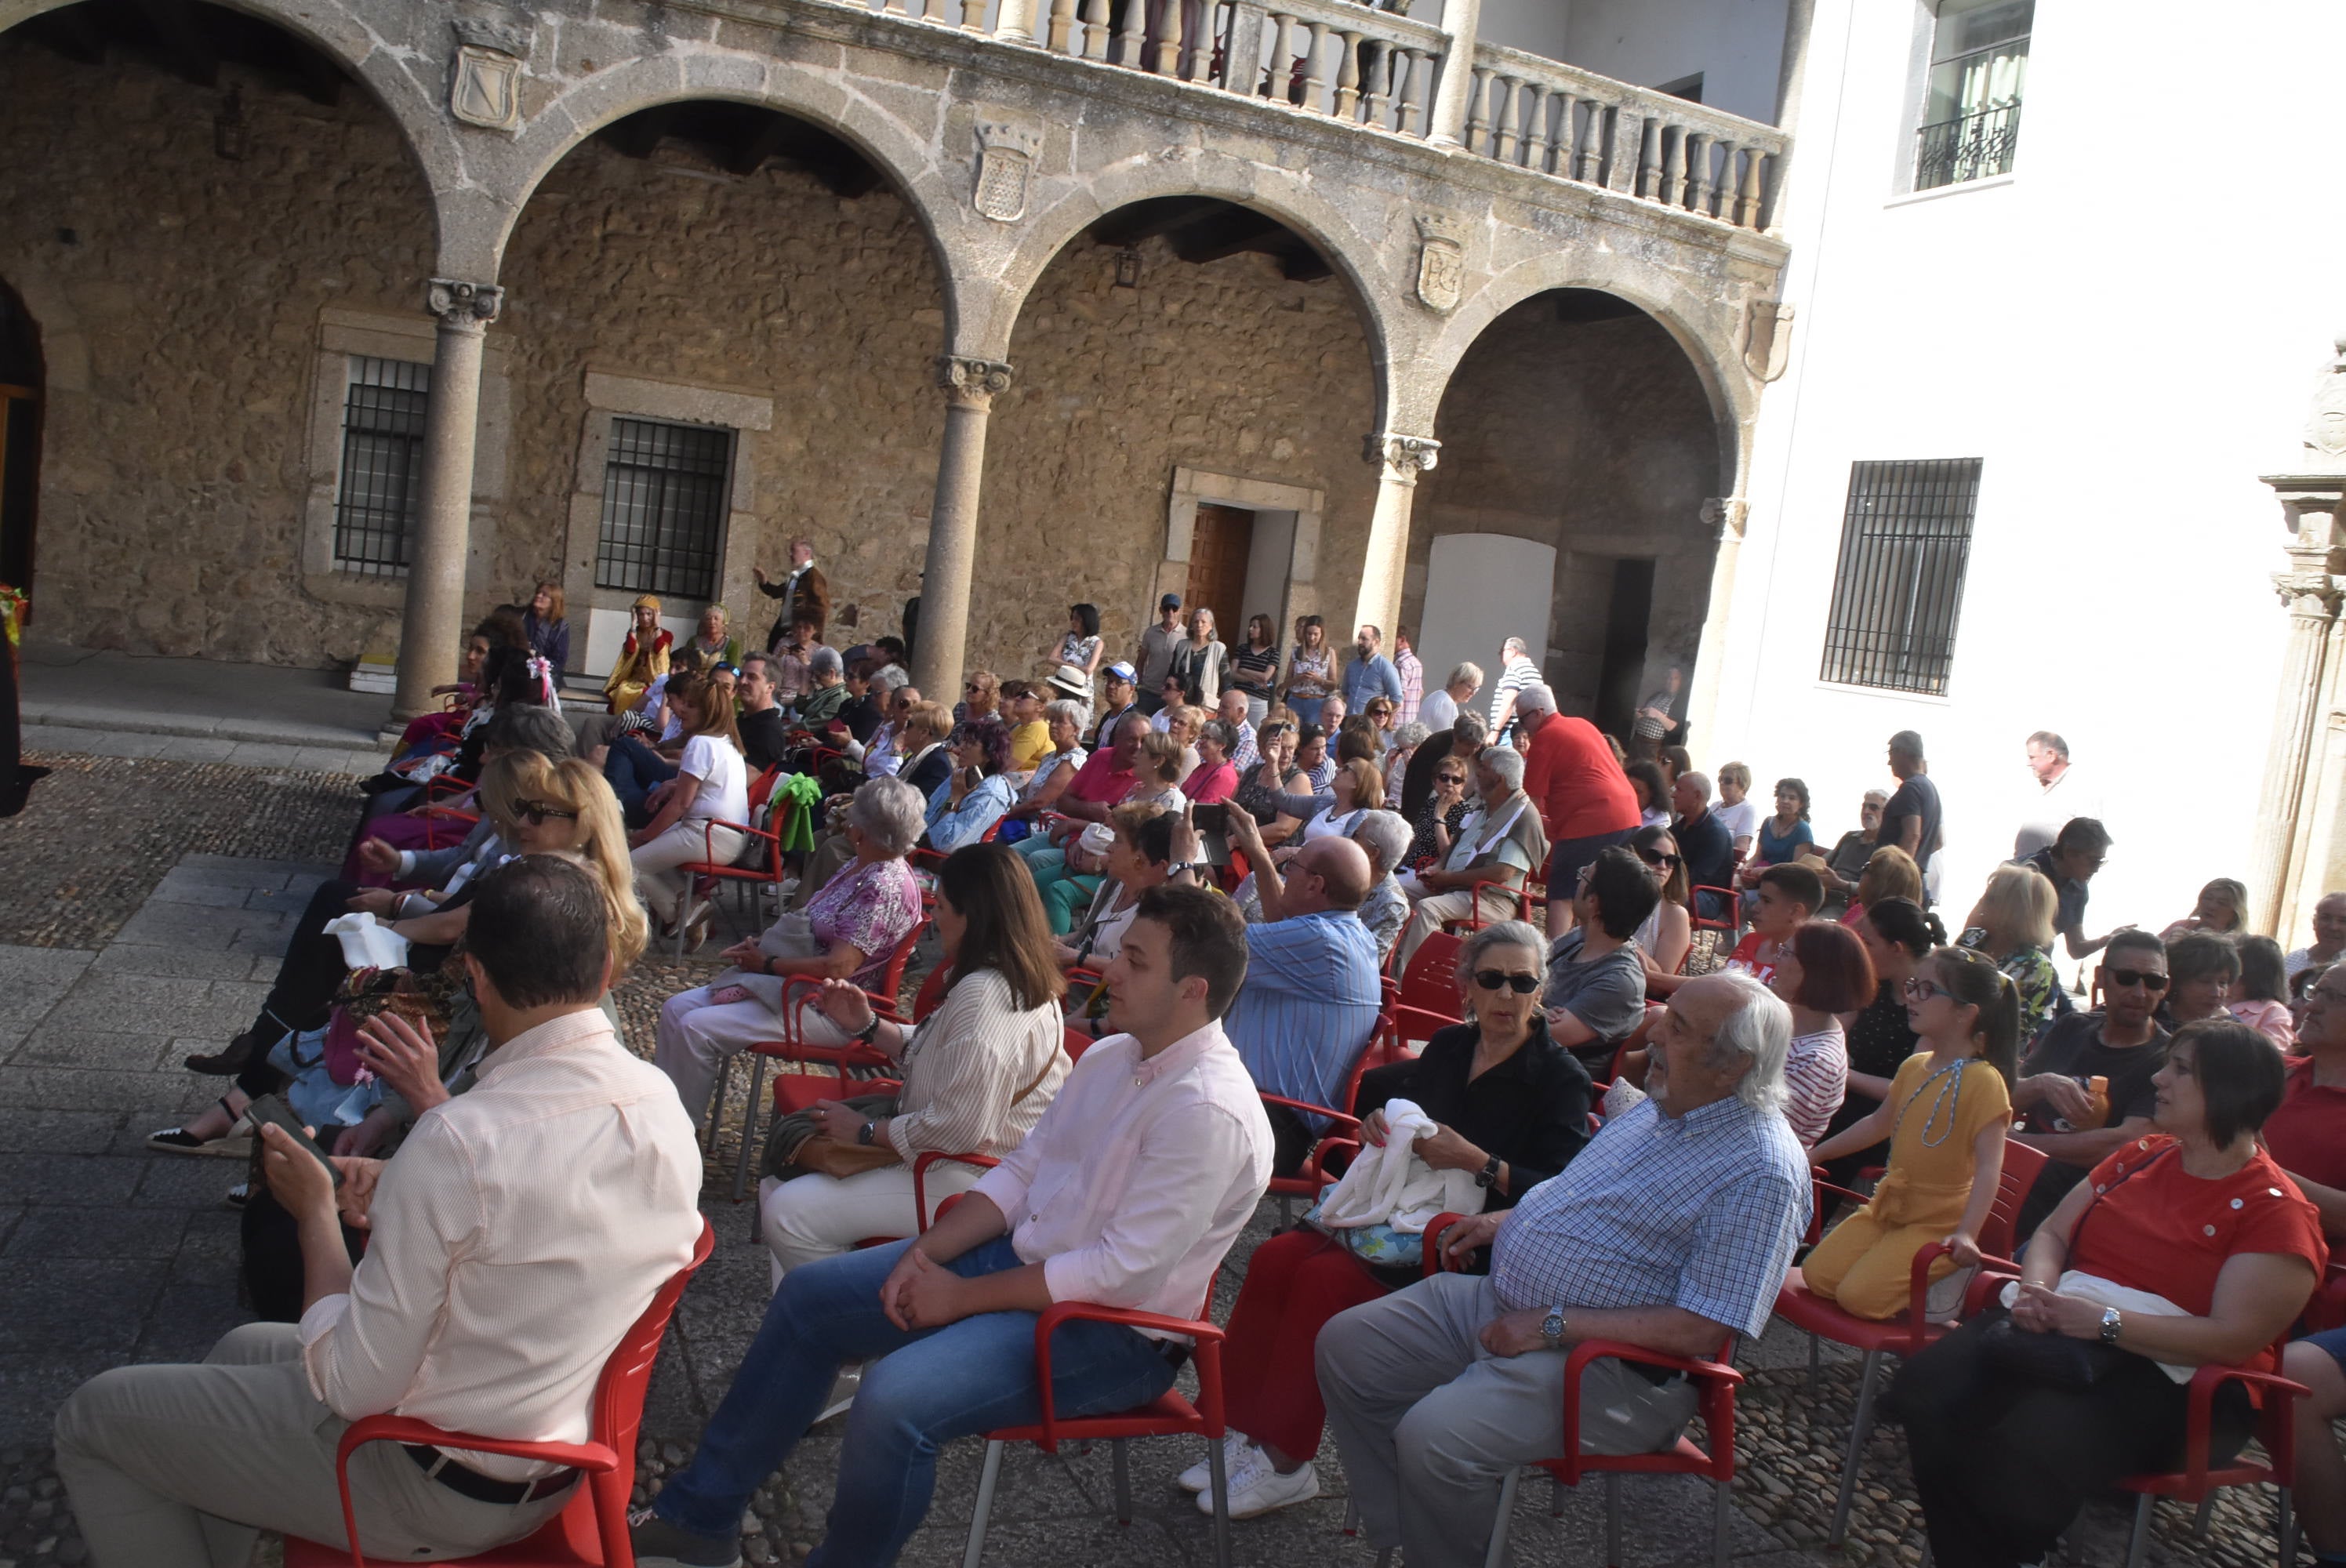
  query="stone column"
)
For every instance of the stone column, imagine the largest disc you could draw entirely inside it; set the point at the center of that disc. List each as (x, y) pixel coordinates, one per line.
(1400, 459)
(435, 616)
(970, 385)
(2312, 593)
(1727, 515)
(1447, 125)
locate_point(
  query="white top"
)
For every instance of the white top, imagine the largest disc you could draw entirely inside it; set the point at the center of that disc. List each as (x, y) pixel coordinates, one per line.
(524, 1228)
(2052, 807)
(1132, 1187)
(1438, 712)
(1327, 824)
(1742, 819)
(724, 778)
(964, 1066)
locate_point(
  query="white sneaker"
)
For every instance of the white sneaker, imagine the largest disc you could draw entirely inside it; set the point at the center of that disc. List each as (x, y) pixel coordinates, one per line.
(1258, 1489)
(1200, 1477)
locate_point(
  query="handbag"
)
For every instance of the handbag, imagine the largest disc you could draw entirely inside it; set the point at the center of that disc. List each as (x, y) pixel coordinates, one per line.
(2057, 1361)
(795, 1144)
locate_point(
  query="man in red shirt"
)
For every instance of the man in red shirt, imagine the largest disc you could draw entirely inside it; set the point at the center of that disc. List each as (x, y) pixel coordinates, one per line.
(1583, 797)
(1790, 895)
(2307, 1135)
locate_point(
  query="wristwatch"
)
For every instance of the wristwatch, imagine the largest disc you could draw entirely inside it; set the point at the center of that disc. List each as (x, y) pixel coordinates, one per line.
(1488, 1177)
(864, 1133)
(2112, 1325)
(869, 1033)
(1552, 1329)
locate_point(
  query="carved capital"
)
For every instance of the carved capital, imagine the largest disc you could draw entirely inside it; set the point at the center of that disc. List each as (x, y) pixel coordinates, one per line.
(2311, 595)
(1402, 457)
(1727, 515)
(458, 304)
(971, 383)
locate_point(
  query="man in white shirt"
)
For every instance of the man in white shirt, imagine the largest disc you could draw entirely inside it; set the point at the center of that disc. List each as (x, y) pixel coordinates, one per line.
(2062, 793)
(521, 1230)
(1127, 1193)
(1440, 710)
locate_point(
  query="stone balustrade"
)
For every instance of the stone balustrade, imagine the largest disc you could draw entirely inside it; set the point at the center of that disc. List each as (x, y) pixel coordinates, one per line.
(1346, 61)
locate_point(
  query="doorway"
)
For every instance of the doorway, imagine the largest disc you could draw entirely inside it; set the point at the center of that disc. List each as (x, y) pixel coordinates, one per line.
(1480, 590)
(1627, 618)
(1221, 550)
(20, 438)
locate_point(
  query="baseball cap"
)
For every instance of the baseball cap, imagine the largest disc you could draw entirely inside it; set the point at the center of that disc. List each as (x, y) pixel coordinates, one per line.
(1169, 602)
(1122, 671)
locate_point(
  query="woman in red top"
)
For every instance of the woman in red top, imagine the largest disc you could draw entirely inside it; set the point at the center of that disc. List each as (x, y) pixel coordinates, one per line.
(2196, 1216)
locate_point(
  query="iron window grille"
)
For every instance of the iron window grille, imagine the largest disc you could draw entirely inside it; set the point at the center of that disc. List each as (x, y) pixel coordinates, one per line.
(1979, 64)
(664, 489)
(382, 485)
(1905, 540)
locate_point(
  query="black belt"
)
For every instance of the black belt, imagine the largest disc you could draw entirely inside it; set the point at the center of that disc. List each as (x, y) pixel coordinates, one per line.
(1176, 1353)
(1660, 1377)
(465, 1481)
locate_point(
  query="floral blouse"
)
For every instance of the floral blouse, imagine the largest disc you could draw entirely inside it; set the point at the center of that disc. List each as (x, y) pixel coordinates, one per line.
(870, 906)
(1311, 675)
(2032, 974)
(1077, 649)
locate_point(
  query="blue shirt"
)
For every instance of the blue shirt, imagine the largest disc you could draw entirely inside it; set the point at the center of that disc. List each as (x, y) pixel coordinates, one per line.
(950, 827)
(1371, 677)
(1308, 1004)
(1700, 1211)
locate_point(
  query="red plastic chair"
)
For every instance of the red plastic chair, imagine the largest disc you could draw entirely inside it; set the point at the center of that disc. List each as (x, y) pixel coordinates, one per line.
(1169, 1415)
(1732, 925)
(593, 1528)
(2196, 1483)
(1429, 999)
(1715, 1382)
(760, 862)
(1343, 1126)
(920, 1182)
(1823, 1319)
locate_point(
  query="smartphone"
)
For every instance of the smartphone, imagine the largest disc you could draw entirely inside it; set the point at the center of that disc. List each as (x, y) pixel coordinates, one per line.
(273, 1110)
(1211, 819)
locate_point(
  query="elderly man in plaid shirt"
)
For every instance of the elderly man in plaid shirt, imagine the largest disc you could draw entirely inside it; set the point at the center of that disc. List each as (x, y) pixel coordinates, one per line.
(1672, 1230)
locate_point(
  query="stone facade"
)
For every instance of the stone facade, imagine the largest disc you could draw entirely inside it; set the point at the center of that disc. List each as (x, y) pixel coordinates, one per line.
(825, 314)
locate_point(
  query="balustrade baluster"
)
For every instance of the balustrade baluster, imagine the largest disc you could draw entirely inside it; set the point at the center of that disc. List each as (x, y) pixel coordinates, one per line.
(1315, 85)
(1508, 105)
(1199, 58)
(1095, 30)
(1698, 145)
(1532, 116)
(1724, 204)
(1061, 28)
(1592, 145)
(1280, 74)
(1168, 39)
(1129, 37)
(896, 8)
(1670, 190)
(1747, 204)
(936, 10)
(1348, 74)
(1478, 118)
(1409, 88)
(973, 16)
(1377, 96)
(1651, 133)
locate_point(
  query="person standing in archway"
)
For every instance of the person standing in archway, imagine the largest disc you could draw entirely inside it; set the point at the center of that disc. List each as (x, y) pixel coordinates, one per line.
(805, 595)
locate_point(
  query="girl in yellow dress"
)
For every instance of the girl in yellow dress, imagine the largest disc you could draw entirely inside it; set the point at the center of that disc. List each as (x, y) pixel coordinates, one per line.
(1945, 1117)
(643, 658)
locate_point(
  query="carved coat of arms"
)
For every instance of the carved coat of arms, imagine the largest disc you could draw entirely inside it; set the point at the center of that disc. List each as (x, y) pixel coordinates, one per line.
(1005, 167)
(485, 82)
(1441, 263)
(2325, 423)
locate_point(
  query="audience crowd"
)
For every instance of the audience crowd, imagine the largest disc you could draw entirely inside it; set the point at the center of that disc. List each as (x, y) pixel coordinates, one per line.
(1544, 1028)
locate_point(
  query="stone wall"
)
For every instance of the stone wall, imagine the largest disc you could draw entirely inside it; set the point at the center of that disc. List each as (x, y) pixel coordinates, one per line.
(1593, 436)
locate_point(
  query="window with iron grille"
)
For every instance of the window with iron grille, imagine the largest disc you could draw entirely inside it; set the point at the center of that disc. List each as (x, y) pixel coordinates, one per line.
(1971, 110)
(664, 489)
(1904, 541)
(382, 485)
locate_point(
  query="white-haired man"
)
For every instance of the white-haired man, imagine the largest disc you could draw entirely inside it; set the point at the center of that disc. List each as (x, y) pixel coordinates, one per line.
(1440, 710)
(1517, 669)
(1671, 1232)
(1501, 842)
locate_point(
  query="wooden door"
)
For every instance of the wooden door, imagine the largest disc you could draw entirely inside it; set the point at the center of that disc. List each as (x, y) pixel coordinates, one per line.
(1218, 552)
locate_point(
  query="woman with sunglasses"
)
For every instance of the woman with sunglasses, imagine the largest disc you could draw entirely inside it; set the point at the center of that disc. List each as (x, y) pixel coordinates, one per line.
(1666, 935)
(1439, 819)
(1510, 1105)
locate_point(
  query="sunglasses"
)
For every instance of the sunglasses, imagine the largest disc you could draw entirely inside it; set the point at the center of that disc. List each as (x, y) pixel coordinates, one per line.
(1492, 979)
(536, 813)
(1656, 858)
(2144, 978)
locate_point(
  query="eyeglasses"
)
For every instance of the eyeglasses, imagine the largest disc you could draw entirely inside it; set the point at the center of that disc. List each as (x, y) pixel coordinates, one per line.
(536, 812)
(1492, 979)
(1656, 858)
(2145, 978)
(1921, 990)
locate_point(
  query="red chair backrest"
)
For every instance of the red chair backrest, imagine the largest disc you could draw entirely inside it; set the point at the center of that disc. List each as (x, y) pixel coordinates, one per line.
(2021, 1166)
(1430, 983)
(620, 1395)
(892, 979)
(1076, 1043)
(931, 992)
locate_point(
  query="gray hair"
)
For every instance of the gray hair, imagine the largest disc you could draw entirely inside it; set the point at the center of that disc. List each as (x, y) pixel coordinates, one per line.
(1507, 762)
(889, 677)
(1535, 699)
(1701, 781)
(1759, 1031)
(1471, 729)
(528, 727)
(1385, 836)
(824, 661)
(1514, 645)
(1465, 674)
(1066, 708)
(890, 812)
(1221, 732)
(1410, 736)
(1505, 933)
(1881, 795)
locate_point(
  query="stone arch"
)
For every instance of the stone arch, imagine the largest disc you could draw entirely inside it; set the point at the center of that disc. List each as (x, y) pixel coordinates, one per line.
(899, 152)
(1275, 192)
(1692, 321)
(389, 77)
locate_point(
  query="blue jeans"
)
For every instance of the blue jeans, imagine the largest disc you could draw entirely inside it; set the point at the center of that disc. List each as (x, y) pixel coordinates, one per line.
(934, 1385)
(632, 769)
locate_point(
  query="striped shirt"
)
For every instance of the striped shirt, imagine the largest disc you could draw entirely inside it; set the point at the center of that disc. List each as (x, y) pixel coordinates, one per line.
(1700, 1212)
(1520, 673)
(964, 1066)
(1308, 1004)
(1816, 1077)
(1412, 686)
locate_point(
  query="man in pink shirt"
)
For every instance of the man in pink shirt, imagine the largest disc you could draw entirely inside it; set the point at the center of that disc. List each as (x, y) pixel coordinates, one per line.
(1127, 1193)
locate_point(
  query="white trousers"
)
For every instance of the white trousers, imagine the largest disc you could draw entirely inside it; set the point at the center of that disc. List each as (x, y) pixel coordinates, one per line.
(1425, 918)
(696, 1036)
(662, 887)
(812, 1216)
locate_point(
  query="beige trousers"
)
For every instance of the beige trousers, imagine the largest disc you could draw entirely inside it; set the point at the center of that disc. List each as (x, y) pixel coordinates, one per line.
(184, 1466)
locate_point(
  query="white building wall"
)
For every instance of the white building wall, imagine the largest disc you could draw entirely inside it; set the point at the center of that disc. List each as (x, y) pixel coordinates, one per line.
(2126, 330)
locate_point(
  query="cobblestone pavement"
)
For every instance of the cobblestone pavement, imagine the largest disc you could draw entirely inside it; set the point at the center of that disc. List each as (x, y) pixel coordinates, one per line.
(115, 963)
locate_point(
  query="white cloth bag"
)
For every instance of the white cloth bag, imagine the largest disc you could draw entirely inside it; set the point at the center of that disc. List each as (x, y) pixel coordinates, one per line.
(1393, 1185)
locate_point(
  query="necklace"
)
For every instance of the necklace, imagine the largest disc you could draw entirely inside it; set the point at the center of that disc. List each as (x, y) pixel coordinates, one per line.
(1950, 1095)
